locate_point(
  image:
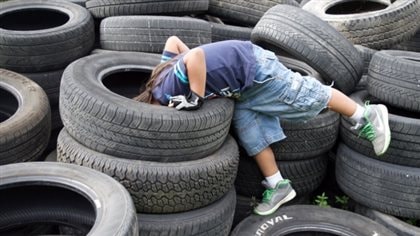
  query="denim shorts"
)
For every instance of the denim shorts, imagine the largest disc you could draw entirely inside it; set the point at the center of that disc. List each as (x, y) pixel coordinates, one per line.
(277, 93)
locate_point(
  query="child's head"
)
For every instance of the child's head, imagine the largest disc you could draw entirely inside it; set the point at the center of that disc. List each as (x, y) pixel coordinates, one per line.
(146, 95)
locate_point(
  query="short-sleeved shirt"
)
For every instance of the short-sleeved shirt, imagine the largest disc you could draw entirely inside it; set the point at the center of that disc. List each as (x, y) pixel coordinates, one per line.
(230, 65)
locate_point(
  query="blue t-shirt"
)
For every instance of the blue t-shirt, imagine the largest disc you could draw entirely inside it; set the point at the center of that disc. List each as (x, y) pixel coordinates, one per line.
(231, 67)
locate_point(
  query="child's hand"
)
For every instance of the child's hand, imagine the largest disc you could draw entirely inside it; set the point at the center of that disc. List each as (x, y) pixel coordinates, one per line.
(180, 102)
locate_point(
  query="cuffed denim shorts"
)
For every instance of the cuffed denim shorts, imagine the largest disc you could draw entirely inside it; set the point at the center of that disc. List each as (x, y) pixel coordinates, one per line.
(277, 93)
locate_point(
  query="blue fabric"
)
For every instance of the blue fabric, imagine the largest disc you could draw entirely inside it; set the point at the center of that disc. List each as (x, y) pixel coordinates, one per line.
(277, 93)
(230, 65)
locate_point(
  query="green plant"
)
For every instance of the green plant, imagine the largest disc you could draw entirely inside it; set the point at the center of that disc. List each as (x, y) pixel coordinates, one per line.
(412, 221)
(343, 201)
(321, 200)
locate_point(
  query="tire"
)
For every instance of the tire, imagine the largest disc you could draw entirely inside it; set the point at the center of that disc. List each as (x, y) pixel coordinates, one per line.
(309, 138)
(161, 187)
(49, 82)
(393, 78)
(305, 219)
(245, 205)
(214, 219)
(60, 33)
(220, 32)
(377, 29)
(106, 8)
(149, 33)
(79, 2)
(244, 12)
(304, 36)
(115, 125)
(61, 193)
(367, 54)
(389, 188)
(405, 135)
(300, 67)
(412, 44)
(305, 175)
(396, 225)
(25, 118)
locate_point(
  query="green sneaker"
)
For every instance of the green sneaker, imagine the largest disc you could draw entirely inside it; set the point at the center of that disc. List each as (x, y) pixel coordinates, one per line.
(376, 129)
(273, 198)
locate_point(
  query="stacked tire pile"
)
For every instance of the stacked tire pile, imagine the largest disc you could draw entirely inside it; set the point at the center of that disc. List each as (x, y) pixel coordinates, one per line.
(179, 170)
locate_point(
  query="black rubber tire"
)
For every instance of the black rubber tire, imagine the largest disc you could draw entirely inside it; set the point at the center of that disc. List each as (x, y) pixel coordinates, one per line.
(60, 33)
(394, 78)
(367, 26)
(106, 8)
(305, 175)
(396, 225)
(302, 219)
(48, 192)
(300, 67)
(367, 54)
(113, 124)
(25, 118)
(149, 33)
(309, 39)
(220, 32)
(405, 135)
(49, 82)
(161, 187)
(78, 2)
(245, 205)
(214, 219)
(244, 12)
(412, 44)
(309, 138)
(389, 188)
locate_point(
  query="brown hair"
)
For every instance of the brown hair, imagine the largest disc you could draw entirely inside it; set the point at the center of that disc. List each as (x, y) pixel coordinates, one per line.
(146, 96)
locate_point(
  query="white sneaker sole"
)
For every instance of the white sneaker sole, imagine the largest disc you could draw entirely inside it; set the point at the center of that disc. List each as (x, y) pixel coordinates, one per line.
(384, 110)
(289, 197)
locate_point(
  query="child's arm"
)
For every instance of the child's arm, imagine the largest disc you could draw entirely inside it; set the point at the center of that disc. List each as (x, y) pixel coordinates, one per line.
(173, 47)
(195, 64)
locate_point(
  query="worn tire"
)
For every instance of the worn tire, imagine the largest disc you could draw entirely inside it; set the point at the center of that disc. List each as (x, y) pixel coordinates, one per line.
(220, 32)
(309, 219)
(309, 39)
(161, 187)
(149, 33)
(116, 125)
(61, 193)
(405, 135)
(25, 118)
(377, 29)
(49, 82)
(396, 225)
(244, 12)
(106, 8)
(389, 188)
(309, 138)
(394, 78)
(60, 32)
(214, 219)
(412, 44)
(305, 175)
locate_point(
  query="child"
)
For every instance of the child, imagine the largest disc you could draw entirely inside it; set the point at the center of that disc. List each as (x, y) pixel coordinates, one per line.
(265, 91)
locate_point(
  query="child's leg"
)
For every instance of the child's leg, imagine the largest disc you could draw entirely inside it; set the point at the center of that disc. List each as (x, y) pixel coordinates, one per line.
(373, 120)
(279, 190)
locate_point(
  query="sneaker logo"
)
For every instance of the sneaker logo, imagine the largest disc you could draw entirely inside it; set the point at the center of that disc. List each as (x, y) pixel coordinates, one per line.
(272, 221)
(380, 124)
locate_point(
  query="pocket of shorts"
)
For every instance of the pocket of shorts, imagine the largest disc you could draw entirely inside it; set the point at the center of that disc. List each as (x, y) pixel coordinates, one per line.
(295, 94)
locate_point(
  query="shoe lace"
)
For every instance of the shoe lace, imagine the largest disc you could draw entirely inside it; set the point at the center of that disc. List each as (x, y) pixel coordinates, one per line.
(367, 131)
(268, 194)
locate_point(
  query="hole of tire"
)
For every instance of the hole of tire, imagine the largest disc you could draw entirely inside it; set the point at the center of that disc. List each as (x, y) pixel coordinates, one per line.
(32, 19)
(352, 7)
(34, 207)
(126, 83)
(8, 105)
